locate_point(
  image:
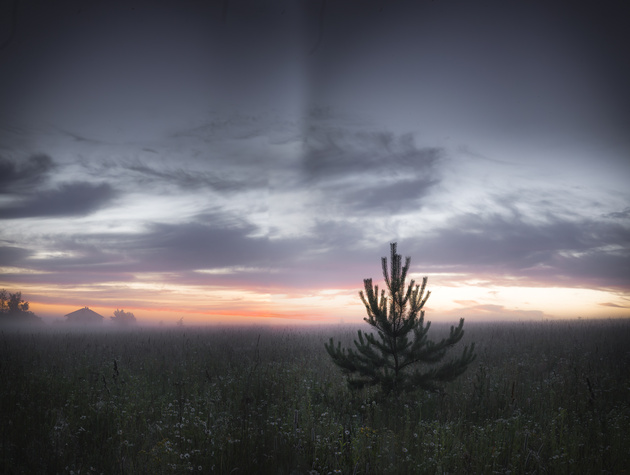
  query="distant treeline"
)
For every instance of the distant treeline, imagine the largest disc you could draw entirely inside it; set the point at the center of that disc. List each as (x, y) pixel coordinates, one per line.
(13, 308)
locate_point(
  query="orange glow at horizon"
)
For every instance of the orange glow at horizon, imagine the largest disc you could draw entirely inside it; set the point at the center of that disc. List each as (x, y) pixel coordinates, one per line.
(153, 315)
(447, 301)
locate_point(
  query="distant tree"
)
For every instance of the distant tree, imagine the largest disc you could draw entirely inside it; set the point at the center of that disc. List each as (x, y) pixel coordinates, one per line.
(13, 308)
(180, 322)
(393, 360)
(123, 318)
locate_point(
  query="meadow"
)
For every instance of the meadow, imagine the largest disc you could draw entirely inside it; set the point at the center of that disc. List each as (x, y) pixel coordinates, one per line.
(542, 397)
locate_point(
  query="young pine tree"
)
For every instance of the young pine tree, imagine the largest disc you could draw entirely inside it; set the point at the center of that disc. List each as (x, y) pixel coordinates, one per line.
(397, 359)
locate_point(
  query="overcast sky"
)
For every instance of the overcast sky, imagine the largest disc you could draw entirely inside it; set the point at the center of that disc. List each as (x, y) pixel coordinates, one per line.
(230, 159)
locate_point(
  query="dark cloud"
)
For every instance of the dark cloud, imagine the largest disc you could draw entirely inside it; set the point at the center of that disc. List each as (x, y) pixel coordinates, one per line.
(335, 153)
(189, 179)
(215, 243)
(624, 214)
(12, 256)
(196, 245)
(70, 199)
(402, 195)
(17, 176)
(235, 126)
(577, 252)
(595, 267)
(159, 248)
(476, 240)
(368, 172)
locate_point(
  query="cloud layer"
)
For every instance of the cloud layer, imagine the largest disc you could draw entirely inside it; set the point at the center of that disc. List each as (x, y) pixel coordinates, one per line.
(356, 192)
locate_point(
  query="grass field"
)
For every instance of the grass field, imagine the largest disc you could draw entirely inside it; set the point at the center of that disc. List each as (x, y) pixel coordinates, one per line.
(543, 397)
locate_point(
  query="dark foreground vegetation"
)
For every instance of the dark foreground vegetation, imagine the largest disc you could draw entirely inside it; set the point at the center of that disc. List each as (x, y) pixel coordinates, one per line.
(545, 397)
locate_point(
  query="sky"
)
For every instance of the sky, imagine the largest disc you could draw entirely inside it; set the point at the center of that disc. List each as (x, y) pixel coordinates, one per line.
(250, 161)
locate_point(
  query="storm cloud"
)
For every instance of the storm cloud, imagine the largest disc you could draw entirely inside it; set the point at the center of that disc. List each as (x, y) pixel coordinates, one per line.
(69, 199)
(338, 153)
(21, 175)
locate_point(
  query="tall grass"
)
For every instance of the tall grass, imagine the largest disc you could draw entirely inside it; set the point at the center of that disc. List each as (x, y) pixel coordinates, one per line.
(541, 397)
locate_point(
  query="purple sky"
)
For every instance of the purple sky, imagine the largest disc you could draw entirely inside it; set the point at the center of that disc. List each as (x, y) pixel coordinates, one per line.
(261, 155)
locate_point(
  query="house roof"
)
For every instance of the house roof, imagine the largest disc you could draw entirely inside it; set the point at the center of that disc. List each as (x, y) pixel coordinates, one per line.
(84, 314)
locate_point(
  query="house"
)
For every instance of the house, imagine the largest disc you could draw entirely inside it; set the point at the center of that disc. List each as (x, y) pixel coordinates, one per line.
(84, 316)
